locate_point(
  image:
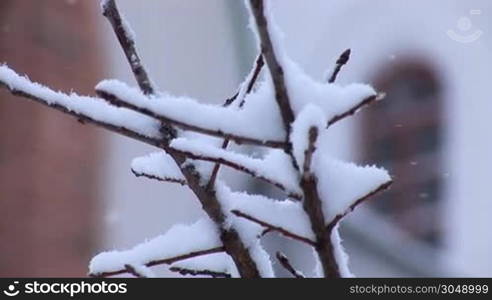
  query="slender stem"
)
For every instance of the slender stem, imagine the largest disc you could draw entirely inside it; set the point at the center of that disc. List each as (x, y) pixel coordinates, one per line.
(126, 39)
(313, 207)
(271, 227)
(341, 61)
(83, 118)
(163, 179)
(164, 261)
(284, 261)
(113, 99)
(214, 274)
(130, 269)
(236, 166)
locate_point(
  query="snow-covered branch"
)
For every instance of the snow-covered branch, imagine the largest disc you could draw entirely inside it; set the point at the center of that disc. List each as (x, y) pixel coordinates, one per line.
(126, 37)
(284, 261)
(85, 109)
(214, 274)
(272, 227)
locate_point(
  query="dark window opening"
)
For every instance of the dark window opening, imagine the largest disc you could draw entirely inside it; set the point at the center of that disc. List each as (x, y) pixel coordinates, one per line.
(403, 134)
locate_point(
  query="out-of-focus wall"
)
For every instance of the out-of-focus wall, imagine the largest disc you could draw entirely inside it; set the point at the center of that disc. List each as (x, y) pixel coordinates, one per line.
(48, 161)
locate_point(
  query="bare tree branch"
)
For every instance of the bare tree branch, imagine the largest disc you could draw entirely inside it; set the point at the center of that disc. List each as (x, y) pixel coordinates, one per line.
(165, 261)
(85, 118)
(339, 217)
(111, 12)
(238, 167)
(163, 179)
(268, 50)
(353, 110)
(271, 227)
(342, 60)
(130, 269)
(284, 261)
(113, 99)
(250, 84)
(313, 207)
(214, 274)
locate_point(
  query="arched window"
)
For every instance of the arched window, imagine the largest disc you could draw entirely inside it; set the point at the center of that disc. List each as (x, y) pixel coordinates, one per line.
(403, 133)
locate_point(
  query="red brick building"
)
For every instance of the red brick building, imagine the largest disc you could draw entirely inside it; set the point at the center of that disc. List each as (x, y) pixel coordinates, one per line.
(48, 161)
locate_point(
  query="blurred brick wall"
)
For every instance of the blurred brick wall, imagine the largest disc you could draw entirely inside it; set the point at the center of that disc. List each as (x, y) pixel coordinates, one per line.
(48, 161)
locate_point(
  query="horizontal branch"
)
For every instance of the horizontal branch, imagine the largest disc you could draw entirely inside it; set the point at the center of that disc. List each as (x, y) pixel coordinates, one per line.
(113, 99)
(165, 261)
(84, 118)
(162, 179)
(284, 261)
(278, 229)
(214, 274)
(239, 162)
(353, 110)
(339, 217)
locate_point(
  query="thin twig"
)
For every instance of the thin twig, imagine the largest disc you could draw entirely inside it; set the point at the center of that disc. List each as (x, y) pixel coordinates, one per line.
(250, 84)
(341, 61)
(162, 179)
(84, 118)
(214, 274)
(339, 217)
(113, 99)
(367, 101)
(278, 229)
(126, 39)
(284, 261)
(165, 261)
(130, 269)
(238, 167)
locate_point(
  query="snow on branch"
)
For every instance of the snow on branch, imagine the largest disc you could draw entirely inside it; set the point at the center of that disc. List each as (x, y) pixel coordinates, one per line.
(213, 265)
(253, 124)
(342, 186)
(274, 168)
(159, 166)
(284, 261)
(178, 243)
(85, 109)
(192, 272)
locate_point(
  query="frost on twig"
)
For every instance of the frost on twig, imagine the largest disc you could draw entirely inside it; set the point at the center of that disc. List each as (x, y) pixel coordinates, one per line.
(285, 262)
(179, 243)
(278, 107)
(159, 166)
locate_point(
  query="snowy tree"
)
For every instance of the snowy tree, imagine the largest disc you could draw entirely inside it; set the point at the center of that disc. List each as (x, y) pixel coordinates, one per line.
(277, 107)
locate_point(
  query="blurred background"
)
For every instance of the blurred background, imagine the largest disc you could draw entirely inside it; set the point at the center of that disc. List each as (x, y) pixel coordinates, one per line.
(66, 190)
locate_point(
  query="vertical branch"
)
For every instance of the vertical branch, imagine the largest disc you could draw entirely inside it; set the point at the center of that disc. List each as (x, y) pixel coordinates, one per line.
(127, 41)
(313, 207)
(276, 70)
(249, 84)
(341, 61)
(233, 244)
